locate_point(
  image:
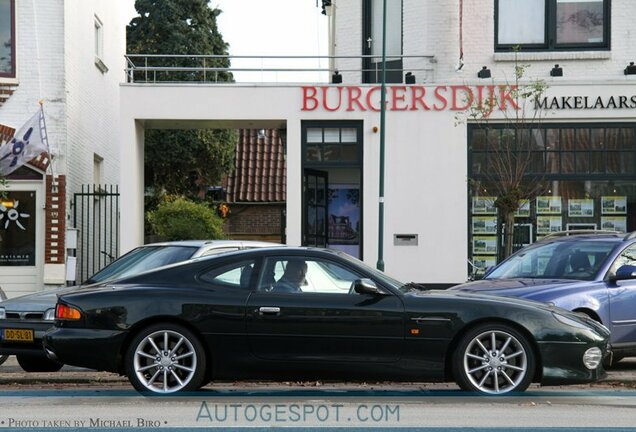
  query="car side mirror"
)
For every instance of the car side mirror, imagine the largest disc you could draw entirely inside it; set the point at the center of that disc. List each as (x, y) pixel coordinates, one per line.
(366, 286)
(624, 273)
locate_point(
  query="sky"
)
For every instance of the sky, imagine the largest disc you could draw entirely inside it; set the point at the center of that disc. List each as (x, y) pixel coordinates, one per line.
(270, 28)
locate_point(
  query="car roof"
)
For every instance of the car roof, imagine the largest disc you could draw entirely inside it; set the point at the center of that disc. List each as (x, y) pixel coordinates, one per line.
(216, 243)
(593, 236)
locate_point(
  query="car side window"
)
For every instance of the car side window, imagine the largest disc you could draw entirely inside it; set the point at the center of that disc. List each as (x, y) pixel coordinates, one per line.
(301, 275)
(234, 275)
(627, 257)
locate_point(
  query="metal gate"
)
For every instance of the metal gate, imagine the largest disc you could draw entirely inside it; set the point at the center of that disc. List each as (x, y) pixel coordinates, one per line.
(96, 217)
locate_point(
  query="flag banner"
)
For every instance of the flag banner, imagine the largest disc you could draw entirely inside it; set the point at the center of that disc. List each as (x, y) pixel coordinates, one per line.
(28, 142)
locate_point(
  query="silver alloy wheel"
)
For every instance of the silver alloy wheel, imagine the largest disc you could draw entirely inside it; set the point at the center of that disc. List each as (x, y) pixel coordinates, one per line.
(165, 361)
(495, 362)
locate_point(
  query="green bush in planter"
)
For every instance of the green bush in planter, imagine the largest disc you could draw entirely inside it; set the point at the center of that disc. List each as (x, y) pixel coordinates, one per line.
(182, 219)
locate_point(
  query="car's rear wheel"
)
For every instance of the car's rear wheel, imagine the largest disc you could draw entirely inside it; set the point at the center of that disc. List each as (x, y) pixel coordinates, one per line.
(34, 363)
(494, 359)
(3, 358)
(165, 358)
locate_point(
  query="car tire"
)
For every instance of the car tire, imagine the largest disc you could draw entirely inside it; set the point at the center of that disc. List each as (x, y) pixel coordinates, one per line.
(165, 358)
(506, 366)
(35, 363)
(3, 358)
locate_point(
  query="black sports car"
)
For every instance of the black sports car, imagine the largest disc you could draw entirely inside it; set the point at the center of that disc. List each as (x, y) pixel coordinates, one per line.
(300, 313)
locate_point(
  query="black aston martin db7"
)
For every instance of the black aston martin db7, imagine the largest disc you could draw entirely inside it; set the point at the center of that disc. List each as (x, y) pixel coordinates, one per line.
(304, 313)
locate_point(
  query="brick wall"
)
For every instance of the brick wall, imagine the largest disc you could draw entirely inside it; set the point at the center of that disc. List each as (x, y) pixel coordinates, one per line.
(255, 222)
(55, 233)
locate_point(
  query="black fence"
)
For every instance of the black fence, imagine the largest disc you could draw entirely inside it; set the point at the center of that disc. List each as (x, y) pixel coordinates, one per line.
(96, 217)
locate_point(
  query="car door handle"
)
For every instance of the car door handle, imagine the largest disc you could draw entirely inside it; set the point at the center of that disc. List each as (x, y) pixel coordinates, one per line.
(269, 310)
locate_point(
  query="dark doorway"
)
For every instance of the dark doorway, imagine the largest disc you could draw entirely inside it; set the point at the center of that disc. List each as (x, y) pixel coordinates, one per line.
(372, 41)
(315, 208)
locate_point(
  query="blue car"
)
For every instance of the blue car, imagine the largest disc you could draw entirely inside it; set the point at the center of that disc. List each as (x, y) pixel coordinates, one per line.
(594, 274)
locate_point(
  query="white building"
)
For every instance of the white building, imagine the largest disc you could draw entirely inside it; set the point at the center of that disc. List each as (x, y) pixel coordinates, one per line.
(70, 55)
(435, 219)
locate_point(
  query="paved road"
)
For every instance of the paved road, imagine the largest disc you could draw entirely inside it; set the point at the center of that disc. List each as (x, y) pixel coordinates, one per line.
(75, 397)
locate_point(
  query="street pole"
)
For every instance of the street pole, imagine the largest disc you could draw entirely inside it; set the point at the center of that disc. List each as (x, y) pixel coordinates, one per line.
(380, 263)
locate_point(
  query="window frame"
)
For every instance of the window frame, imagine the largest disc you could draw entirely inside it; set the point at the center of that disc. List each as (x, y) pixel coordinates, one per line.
(550, 43)
(13, 74)
(99, 44)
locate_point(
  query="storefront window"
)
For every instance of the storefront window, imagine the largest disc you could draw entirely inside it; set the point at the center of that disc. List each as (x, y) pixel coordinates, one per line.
(7, 39)
(584, 177)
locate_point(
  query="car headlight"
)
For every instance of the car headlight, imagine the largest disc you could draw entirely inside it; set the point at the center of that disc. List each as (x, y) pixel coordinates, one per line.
(570, 322)
(592, 358)
(49, 315)
(3, 313)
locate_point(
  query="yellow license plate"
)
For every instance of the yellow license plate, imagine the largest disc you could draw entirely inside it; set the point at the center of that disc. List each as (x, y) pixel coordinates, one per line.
(18, 335)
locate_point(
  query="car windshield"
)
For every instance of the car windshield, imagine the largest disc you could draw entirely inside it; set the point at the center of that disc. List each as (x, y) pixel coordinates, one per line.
(576, 259)
(142, 259)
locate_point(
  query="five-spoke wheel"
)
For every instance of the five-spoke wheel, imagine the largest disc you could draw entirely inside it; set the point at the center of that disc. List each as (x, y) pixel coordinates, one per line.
(165, 358)
(494, 359)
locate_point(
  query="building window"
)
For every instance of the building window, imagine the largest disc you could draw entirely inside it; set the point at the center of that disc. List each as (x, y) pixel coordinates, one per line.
(536, 25)
(99, 45)
(7, 39)
(98, 175)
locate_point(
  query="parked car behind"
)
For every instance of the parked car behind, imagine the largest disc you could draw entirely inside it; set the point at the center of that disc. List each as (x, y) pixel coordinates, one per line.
(590, 273)
(23, 320)
(308, 313)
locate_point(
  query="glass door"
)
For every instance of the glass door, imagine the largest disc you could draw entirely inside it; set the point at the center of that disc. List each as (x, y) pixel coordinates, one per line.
(372, 43)
(315, 208)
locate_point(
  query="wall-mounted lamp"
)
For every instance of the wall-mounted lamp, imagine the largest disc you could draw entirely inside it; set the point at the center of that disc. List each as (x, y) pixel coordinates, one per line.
(261, 134)
(556, 71)
(409, 78)
(630, 69)
(484, 73)
(336, 78)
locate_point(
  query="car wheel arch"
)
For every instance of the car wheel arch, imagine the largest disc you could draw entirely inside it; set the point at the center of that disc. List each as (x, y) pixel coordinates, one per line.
(161, 319)
(452, 346)
(590, 313)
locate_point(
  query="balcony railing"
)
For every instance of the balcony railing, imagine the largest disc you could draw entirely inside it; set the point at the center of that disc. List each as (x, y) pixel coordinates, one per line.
(210, 69)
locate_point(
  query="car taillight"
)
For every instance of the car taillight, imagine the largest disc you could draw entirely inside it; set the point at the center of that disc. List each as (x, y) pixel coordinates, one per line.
(64, 312)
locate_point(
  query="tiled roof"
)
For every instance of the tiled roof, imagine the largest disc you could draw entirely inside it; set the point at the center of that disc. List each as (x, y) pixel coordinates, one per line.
(260, 173)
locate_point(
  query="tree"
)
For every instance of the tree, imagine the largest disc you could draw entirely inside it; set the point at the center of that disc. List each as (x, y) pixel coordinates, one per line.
(182, 161)
(508, 168)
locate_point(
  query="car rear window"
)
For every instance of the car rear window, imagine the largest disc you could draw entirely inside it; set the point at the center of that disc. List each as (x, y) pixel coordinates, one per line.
(142, 259)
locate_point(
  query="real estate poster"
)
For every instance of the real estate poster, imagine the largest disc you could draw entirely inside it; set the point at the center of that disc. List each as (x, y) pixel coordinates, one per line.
(549, 224)
(524, 209)
(581, 208)
(614, 204)
(484, 245)
(549, 205)
(484, 224)
(483, 262)
(614, 223)
(484, 205)
(17, 229)
(344, 218)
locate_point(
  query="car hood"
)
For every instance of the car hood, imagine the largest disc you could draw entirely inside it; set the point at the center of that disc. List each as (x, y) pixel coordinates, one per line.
(36, 302)
(450, 294)
(518, 287)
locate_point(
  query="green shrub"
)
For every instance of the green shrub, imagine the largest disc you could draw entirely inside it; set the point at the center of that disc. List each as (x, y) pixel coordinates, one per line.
(178, 218)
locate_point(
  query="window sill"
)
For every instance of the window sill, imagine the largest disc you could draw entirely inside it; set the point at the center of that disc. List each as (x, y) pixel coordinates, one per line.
(9, 81)
(101, 65)
(553, 55)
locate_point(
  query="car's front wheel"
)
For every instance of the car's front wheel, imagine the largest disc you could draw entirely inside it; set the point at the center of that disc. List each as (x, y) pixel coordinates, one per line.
(494, 359)
(165, 358)
(35, 363)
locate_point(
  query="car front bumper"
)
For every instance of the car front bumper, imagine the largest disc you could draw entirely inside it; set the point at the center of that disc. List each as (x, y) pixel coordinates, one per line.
(34, 347)
(563, 363)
